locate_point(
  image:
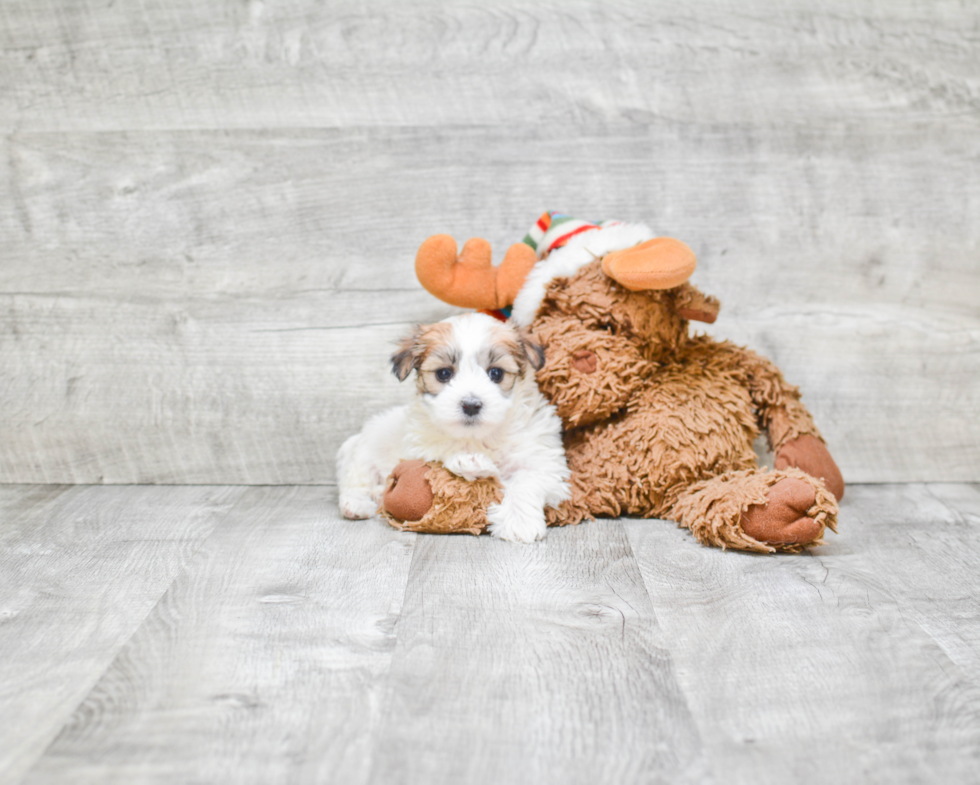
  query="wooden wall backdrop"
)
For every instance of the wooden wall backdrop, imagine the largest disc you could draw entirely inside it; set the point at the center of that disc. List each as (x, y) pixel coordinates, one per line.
(209, 211)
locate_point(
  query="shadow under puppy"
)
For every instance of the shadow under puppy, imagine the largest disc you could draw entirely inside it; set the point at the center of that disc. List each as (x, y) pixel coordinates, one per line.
(478, 412)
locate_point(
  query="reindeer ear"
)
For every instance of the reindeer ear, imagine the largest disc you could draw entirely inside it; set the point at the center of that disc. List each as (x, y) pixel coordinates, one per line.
(661, 263)
(403, 360)
(695, 306)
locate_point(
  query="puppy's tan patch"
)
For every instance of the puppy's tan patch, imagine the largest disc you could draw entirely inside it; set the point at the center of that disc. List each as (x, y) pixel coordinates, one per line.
(427, 345)
(512, 353)
(432, 350)
(403, 360)
(503, 351)
(532, 350)
(435, 350)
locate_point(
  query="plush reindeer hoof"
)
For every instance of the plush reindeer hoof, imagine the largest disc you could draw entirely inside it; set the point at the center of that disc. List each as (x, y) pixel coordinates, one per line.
(782, 520)
(408, 496)
(809, 454)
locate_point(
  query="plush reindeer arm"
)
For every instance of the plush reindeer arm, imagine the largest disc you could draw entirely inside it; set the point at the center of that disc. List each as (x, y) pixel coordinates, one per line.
(427, 497)
(792, 435)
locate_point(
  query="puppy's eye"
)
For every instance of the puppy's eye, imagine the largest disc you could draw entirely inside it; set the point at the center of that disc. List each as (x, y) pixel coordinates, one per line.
(496, 375)
(444, 374)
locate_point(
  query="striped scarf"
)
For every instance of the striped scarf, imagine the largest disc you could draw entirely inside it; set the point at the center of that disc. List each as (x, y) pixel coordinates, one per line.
(553, 229)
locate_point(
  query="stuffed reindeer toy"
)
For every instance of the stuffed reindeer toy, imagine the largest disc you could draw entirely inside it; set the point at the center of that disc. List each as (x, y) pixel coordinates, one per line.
(657, 423)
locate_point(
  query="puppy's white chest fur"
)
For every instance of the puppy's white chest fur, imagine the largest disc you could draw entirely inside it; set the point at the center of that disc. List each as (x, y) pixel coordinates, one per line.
(478, 412)
(529, 428)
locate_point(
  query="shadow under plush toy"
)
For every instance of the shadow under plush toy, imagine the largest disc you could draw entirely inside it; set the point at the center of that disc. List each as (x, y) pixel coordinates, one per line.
(657, 423)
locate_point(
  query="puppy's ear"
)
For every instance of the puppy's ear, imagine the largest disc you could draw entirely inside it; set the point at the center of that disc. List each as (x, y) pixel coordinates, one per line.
(403, 360)
(533, 351)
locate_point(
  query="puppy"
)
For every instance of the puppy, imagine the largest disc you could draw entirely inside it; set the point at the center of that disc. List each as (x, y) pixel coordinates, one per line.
(479, 412)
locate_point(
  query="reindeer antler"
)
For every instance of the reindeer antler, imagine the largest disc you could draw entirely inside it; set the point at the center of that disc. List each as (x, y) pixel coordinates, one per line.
(470, 280)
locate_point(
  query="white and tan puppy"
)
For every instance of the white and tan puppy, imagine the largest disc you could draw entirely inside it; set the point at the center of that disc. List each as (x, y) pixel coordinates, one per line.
(479, 412)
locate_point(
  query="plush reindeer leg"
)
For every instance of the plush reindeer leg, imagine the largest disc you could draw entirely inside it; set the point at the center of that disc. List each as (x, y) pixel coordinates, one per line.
(755, 510)
(809, 454)
(407, 495)
(792, 435)
(575, 510)
(426, 497)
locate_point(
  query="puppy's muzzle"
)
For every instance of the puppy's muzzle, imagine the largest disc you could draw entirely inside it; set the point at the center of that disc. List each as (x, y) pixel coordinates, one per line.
(471, 406)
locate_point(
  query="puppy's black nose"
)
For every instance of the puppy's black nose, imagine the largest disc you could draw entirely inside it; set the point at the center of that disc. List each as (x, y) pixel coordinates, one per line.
(471, 406)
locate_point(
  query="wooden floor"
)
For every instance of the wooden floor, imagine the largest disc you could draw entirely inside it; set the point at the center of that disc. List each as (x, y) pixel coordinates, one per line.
(248, 634)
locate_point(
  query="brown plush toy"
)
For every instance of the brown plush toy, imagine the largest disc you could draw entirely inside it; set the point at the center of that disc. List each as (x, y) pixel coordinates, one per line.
(658, 423)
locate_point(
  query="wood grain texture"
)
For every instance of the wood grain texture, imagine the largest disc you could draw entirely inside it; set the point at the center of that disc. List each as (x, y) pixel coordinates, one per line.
(538, 664)
(292, 646)
(177, 334)
(191, 389)
(929, 560)
(856, 663)
(426, 63)
(893, 390)
(878, 212)
(180, 177)
(79, 570)
(263, 662)
(200, 390)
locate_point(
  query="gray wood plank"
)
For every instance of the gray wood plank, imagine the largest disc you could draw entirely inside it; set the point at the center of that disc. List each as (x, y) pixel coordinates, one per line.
(894, 390)
(79, 570)
(924, 543)
(253, 391)
(210, 164)
(264, 661)
(300, 63)
(213, 345)
(540, 664)
(19, 502)
(293, 646)
(860, 213)
(854, 664)
(190, 390)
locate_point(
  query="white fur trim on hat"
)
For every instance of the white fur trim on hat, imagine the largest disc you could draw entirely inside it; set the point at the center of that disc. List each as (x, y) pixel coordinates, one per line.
(567, 260)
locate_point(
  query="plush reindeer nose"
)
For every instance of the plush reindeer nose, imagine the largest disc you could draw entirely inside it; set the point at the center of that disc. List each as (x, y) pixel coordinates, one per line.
(584, 361)
(471, 406)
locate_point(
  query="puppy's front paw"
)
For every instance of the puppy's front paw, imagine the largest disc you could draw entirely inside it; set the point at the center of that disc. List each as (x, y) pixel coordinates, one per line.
(357, 505)
(471, 466)
(508, 522)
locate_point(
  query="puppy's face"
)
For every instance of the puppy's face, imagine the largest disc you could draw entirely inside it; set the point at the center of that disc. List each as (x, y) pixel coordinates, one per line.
(466, 369)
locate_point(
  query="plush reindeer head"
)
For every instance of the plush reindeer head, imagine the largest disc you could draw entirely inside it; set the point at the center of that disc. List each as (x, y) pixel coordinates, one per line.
(470, 280)
(605, 324)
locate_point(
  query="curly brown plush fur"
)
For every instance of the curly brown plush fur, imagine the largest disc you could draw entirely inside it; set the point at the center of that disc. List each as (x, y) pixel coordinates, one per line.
(458, 506)
(715, 509)
(581, 395)
(650, 424)
(661, 424)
